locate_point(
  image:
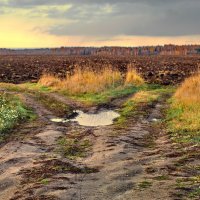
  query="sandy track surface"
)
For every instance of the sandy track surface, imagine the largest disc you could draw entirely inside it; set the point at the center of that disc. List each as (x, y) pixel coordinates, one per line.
(123, 164)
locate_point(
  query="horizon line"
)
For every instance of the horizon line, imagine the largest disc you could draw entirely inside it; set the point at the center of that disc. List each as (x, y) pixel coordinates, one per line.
(32, 48)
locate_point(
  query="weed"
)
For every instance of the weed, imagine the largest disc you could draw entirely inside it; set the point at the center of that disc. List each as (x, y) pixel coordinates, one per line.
(191, 185)
(161, 178)
(194, 194)
(44, 181)
(73, 148)
(144, 184)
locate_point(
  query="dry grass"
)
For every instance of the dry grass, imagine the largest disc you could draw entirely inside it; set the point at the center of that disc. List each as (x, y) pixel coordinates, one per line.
(184, 114)
(145, 96)
(49, 80)
(132, 77)
(189, 92)
(88, 81)
(84, 81)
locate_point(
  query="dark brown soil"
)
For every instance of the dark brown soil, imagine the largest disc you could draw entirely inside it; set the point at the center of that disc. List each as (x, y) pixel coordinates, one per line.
(155, 69)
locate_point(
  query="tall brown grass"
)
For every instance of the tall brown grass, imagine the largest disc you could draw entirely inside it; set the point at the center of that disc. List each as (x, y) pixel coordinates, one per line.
(88, 81)
(84, 81)
(49, 80)
(185, 108)
(133, 77)
(189, 91)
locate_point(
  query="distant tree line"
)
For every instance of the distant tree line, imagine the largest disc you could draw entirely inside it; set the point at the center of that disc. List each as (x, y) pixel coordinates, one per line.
(111, 51)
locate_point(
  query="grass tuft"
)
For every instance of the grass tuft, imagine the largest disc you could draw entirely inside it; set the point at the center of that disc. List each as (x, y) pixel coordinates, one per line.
(73, 148)
(49, 80)
(132, 77)
(144, 184)
(189, 92)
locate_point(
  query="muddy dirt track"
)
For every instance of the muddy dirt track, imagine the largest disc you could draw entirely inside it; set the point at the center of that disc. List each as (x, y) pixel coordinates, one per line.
(155, 69)
(123, 163)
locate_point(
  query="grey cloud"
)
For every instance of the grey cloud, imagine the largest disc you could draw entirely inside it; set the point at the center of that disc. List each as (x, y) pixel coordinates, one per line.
(128, 17)
(136, 19)
(30, 3)
(84, 13)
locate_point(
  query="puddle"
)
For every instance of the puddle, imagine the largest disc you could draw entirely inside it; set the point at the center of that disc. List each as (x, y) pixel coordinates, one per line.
(102, 118)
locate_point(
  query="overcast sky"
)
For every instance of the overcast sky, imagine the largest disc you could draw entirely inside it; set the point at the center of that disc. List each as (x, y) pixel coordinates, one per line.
(43, 23)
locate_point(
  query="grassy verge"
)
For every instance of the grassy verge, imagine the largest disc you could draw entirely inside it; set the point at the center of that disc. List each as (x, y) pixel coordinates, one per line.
(40, 93)
(183, 122)
(25, 87)
(58, 108)
(89, 98)
(12, 111)
(144, 96)
(105, 96)
(184, 113)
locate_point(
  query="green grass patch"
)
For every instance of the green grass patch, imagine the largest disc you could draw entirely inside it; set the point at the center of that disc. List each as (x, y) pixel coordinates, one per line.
(143, 96)
(35, 87)
(105, 96)
(144, 184)
(25, 87)
(191, 185)
(194, 194)
(12, 111)
(73, 148)
(87, 98)
(41, 94)
(44, 181)
(57, 107)
(128, 110)
(184, 122)
(161, 178)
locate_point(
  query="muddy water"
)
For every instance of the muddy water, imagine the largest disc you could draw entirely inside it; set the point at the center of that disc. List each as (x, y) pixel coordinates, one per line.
(102, 118)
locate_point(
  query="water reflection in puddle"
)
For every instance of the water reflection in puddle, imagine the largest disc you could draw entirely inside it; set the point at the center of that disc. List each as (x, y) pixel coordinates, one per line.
(102, 118)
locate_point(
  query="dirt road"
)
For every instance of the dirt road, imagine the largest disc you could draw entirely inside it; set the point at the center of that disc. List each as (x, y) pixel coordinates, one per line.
(133, 162)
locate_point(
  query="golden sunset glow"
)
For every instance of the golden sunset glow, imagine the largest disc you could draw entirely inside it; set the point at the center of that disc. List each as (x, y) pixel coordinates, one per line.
(54, 25)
